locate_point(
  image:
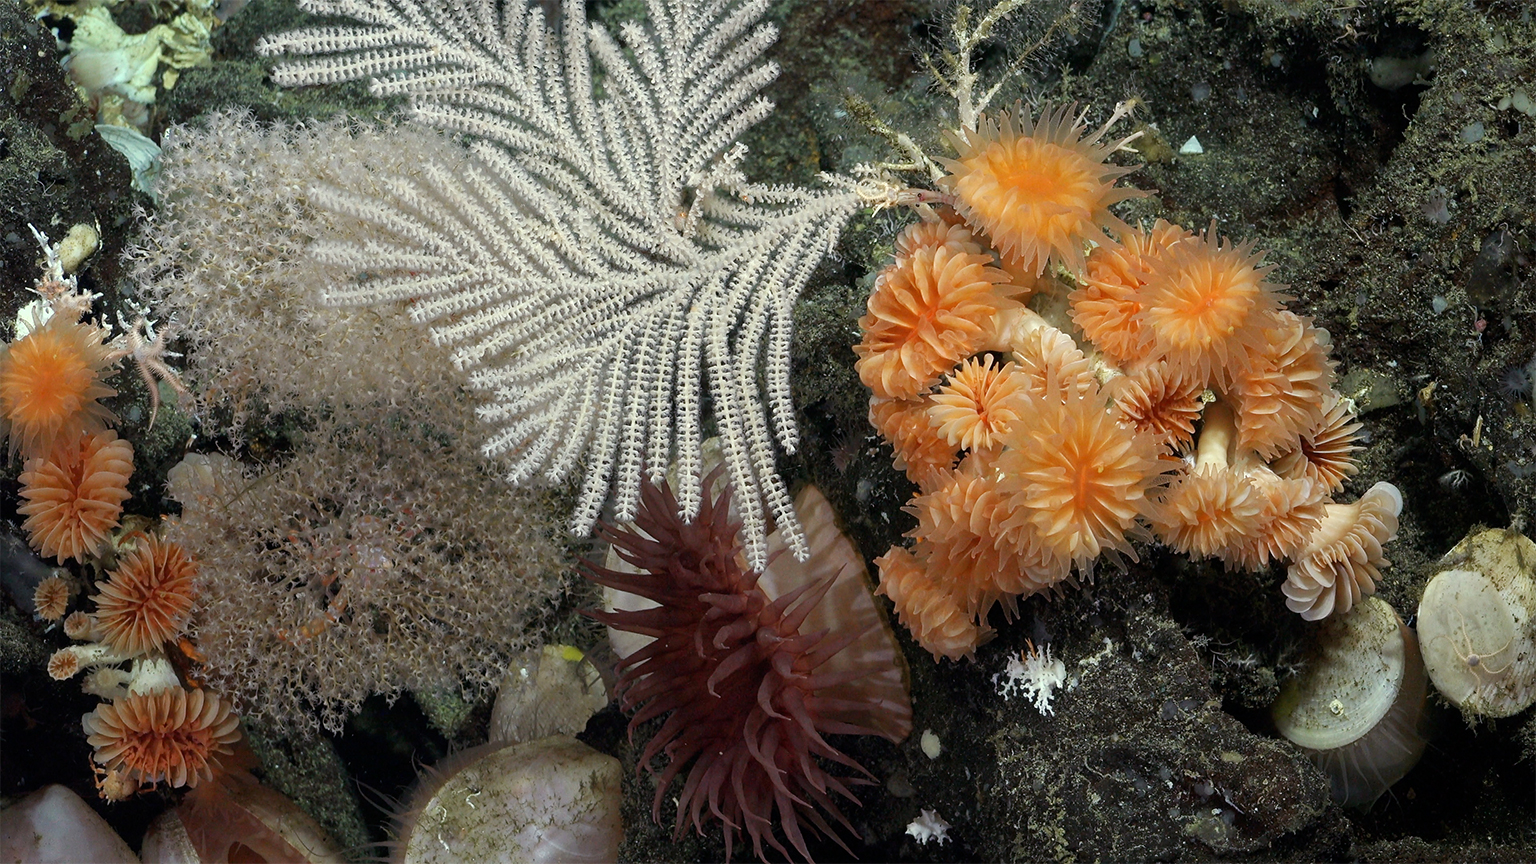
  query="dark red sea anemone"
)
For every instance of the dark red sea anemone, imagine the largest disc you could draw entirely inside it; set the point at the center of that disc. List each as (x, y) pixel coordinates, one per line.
(749, 703)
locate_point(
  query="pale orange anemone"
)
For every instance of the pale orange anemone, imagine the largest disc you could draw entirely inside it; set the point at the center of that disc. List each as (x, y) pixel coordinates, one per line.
(1281, 389)
(51, 598)
(1076, 478)
(170, 735)
(963, 537)
(919, 449)
(50, 380)
(1290, 515)
(74, 497)
(147, 600)
(1343, 558)
(1161, 401)
(975, 407)
(1039, 189)
(1205, 306)
(1324, 453)
(1206, 510)
(927, 313)
(931, 235)
(932, 614)
(1107, 305)
(1049, 361)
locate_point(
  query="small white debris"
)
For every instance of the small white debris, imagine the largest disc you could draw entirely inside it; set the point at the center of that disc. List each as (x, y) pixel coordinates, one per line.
(930, 744)
(1192, 146)
(929, 826)
(1036, 676)
(32, 316)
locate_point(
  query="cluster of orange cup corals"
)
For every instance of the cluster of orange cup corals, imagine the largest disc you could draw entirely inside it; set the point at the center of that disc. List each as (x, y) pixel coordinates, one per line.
(75, 477)
(74, 483)
(152, 728)
(1195, 405)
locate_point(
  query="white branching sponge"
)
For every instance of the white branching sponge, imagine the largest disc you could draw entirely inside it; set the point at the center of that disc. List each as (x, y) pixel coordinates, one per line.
(595, 253)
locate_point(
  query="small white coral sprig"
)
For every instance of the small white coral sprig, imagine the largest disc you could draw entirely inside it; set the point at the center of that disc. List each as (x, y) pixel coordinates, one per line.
(1035, 675)
(929, 825)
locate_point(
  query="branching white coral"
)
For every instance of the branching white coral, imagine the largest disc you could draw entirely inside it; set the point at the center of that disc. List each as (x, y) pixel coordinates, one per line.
(1035, 675)
(595, 252)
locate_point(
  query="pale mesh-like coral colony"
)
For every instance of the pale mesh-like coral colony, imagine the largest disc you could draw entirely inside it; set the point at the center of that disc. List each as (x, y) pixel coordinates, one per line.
(1191, 402)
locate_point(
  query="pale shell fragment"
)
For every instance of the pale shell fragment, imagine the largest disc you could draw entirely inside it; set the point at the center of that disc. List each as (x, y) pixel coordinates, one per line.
(552, 690)
(54, 825)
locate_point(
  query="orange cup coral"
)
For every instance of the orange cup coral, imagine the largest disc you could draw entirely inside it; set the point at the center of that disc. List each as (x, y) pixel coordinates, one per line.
(1205, 306)
(1323, 453)
(50, 380)
(936, 620)
(1107, 305)
(1343, 558)
(51, 598)
(1079, 477)
(167, 734)
(147, 599)
(976, 407)
(74, 497)
(928, 312)
(919, 448)
(1283, 387)
(1037, 188)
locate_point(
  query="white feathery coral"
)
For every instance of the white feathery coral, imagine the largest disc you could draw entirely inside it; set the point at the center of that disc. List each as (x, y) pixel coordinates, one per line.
(591, 256)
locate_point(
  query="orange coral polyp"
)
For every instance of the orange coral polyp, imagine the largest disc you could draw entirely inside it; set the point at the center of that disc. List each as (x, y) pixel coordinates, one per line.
(1325, 452)
(74, 498)
(967, 550)
(148, 598)
(931, 235)
(1291, 513)
(1078, 477)
(1108, 305)
(919, 449)
(931, 613)
(1208, 510)
(168, 734)
(1205, 304)
(1038, 188)
(50, 380)
(927, 312)
(1160, 401)
(1281, 389)
(975, 409)
(1343, 559)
